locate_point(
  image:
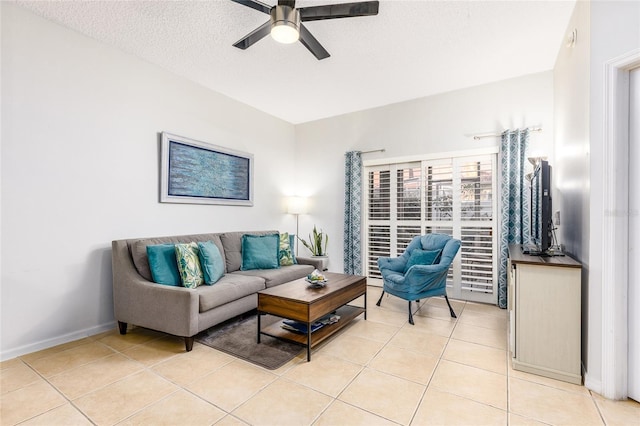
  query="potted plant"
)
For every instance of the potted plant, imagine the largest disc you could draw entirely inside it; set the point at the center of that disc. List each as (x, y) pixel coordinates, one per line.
(317, 243)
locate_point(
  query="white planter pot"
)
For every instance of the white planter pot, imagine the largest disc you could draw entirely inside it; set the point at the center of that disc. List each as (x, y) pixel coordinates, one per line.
(324, 260)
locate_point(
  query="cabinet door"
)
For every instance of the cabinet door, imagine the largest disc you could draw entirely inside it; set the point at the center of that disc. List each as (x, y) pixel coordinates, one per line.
(548, 317)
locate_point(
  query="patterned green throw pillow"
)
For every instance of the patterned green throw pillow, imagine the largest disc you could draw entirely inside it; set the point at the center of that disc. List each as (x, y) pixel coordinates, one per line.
(285, 255)
(189, 265)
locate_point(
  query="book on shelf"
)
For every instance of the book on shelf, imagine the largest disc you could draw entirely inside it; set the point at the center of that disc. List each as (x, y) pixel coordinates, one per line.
(329, 319)
(301, 327)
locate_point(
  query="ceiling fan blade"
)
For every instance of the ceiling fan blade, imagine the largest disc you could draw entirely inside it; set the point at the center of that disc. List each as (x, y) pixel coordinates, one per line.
(255, 4)
(310, 42)
(254, 36)
(344, 10)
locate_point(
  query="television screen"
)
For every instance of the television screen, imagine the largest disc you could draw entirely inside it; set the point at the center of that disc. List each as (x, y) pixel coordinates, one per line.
(541, 220)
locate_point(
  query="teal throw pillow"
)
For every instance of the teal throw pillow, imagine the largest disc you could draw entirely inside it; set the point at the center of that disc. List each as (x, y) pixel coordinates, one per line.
(260, 252)
(163, 264)
(211, 262)
(189, 265)
(285, 255)
(422, 257)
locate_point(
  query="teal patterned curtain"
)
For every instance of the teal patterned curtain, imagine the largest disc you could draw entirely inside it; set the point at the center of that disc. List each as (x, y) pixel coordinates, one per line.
(353, 213)
(514, 201)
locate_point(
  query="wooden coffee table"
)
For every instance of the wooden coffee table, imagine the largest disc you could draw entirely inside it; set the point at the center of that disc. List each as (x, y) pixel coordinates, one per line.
(297, 301)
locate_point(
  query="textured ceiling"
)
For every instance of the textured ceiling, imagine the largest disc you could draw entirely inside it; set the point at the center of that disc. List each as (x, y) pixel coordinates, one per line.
(409, 50)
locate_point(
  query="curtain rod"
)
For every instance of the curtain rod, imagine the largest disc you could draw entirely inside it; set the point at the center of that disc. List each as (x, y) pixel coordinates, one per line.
(493, 135)
(373, 150)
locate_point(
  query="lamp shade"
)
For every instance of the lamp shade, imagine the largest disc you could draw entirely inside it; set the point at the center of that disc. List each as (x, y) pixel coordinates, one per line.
(284, 33)
(536, 160)
(297, 205)
(285, 24)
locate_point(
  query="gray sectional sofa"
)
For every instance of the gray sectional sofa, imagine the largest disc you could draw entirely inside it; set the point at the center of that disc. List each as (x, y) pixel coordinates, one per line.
(186, 312)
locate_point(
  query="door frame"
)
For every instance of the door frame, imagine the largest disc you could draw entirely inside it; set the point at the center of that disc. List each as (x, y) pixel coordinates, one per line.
(615, 226)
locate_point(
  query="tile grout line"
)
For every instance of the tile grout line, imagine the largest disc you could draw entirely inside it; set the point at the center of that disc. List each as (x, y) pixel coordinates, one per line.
(363, 368)
(600, 413)
(114, 352)
(179, 387)
(149, 368)
(58, 391)
(467, 365)
(426, 388)
(332, 400)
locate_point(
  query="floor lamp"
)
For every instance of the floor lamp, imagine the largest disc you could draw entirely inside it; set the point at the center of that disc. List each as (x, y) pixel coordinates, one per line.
(297, 206)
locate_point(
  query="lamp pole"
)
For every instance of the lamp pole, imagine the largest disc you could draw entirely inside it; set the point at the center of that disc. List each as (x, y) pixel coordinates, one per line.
(297, 206)
(297, 215)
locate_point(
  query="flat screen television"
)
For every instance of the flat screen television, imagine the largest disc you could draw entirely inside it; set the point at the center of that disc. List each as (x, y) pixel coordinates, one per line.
(541, 219)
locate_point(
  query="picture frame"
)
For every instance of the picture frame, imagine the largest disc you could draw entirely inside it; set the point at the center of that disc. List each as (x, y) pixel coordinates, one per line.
(195, 172)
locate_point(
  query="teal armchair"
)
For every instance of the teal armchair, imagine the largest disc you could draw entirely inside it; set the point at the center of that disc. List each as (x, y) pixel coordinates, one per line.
(421, 271)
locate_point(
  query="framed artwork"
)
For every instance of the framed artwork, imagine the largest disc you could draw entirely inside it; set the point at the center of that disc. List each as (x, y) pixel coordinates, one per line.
(195, 172)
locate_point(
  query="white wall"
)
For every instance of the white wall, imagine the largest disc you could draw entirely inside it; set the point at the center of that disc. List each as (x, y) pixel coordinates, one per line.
(615, 30)
(440, 123)
(80, 166)
(571, 172)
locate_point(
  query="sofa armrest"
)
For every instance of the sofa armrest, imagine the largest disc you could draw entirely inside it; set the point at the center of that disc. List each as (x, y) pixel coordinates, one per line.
(317, 263)
(172, 310)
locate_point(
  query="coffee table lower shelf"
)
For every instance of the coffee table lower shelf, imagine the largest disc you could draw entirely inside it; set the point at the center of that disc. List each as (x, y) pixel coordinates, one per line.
(347, 314)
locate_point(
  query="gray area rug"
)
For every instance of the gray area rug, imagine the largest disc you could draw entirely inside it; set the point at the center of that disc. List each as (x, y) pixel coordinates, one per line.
(238, 338)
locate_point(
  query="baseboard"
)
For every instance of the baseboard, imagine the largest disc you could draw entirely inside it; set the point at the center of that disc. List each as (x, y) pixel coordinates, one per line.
(55, 341)
(547, 372)
(592, 384)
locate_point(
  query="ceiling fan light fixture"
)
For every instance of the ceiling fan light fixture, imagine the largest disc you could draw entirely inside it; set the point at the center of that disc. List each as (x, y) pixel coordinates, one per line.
(285, 24)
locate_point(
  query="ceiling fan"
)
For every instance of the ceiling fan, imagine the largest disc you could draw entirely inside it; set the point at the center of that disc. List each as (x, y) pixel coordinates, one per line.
(285, 25)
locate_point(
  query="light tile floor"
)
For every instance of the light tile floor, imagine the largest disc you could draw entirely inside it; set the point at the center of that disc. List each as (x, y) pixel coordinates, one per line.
(382, 371)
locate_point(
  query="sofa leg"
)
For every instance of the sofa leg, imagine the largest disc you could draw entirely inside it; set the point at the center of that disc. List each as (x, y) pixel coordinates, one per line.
(453, 314)
(188, 343)
(380, 300)
(410, 314)
(123, 327)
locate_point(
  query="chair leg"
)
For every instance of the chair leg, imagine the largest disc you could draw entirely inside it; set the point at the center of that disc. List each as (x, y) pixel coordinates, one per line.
(410, 314)
(380, 300)
(453, 314)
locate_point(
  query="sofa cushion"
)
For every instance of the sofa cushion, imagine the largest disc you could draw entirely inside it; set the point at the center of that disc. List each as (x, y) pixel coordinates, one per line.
(189, 265)
(211, 262)
(232, 246)
(229, 288)
(163, 264)
(422, 257)
(138, 248)
(285, 255)
(279, 276)
(260, 252)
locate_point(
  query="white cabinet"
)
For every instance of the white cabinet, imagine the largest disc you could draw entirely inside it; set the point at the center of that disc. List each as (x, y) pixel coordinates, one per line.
(545, 315)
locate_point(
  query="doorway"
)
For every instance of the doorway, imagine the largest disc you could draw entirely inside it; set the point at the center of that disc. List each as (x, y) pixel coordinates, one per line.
(633, 379)
(453, 195)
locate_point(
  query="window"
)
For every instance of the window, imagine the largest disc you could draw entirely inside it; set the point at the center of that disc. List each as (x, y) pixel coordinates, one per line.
(454, 196)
